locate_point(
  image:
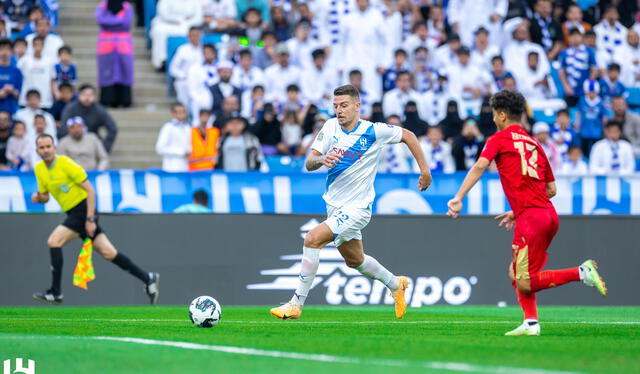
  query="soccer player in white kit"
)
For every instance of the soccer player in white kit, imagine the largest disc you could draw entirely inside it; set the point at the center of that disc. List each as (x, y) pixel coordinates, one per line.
(350, 147)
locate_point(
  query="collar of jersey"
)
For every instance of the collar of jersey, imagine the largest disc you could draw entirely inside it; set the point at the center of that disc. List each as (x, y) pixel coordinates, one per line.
(53, 163)
(352, 130)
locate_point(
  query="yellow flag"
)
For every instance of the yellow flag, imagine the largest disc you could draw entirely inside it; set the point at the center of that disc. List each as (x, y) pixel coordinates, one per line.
(84, 269)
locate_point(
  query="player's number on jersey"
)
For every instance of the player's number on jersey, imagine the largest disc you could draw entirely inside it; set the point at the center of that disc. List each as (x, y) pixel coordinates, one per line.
(529, 165)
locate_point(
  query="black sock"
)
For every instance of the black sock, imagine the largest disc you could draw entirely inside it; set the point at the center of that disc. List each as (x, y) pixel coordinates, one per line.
(56, 269)
(126, 264)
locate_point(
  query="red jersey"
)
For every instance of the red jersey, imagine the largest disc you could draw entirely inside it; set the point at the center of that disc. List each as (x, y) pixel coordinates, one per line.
(523, 167)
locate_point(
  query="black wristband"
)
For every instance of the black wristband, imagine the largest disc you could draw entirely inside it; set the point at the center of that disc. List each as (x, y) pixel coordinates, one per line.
(93, 219)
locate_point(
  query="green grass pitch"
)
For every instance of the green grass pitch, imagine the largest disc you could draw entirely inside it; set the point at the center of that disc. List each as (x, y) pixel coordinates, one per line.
(439, 339)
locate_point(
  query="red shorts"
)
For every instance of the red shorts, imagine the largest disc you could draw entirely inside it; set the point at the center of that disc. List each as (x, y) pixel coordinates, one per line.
(535, 229)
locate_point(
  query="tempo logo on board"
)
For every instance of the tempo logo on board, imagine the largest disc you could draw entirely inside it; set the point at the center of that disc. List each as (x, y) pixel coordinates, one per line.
(30, 369)
(343, 284)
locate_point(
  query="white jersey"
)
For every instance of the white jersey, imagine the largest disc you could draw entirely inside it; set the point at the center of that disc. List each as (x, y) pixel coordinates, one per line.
(350, 182)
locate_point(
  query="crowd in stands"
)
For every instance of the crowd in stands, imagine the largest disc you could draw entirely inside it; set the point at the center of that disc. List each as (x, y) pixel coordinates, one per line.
(38, 86)
(427, 65)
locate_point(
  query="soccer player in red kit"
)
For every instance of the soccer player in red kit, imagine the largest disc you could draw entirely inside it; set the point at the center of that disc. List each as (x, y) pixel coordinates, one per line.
(528, 182)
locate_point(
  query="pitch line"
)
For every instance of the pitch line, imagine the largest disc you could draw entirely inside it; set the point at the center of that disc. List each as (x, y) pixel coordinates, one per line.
(435, 322)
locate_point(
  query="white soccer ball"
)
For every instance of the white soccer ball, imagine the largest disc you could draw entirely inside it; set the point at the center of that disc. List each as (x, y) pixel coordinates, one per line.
(205, 311)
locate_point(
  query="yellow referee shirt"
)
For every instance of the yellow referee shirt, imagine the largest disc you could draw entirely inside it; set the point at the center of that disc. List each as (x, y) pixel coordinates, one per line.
(62, 181)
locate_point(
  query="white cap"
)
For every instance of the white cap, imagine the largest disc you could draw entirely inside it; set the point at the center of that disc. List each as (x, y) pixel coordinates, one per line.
(540, 127)
(225, 64)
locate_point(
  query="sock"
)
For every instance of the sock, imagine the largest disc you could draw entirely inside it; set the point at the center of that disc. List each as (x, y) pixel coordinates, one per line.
(56, 269)
(527, 302)
(127, 265)
(553, 278)
(309, 267)
(373, 269)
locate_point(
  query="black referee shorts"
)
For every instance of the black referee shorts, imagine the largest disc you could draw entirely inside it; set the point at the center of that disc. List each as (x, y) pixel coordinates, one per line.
(76, 219)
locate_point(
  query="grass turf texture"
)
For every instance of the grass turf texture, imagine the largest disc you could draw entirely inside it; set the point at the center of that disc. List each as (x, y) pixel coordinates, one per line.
(576, 339)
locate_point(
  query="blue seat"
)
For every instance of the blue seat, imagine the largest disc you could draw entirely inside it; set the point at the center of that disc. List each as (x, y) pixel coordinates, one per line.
(634, 96)
(544, 116)
(555, 75)
(149, 13)
(173, 43)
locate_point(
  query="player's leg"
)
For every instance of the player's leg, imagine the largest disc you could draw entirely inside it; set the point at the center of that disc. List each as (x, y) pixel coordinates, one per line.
(106, 249)
(315, 240)
(60, 236)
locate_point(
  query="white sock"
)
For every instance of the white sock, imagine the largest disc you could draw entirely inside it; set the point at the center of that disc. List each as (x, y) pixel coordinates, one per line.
(310, 263)
(373, 269)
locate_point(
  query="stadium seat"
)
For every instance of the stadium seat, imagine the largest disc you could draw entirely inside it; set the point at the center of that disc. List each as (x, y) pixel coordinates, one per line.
(634, 96)
(149, 13)
(555, 68)
(547, 116)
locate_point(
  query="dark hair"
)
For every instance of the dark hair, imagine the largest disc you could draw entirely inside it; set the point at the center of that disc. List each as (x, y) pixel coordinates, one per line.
(293, 87)
(194, 28)
(42, 136)
(563, 111)
(38, 116)
(533, 53)
(418, 24)
(618, 97)
(65, 85)
(33, 91)
(590, 33)
(355, 72)
(36, 9)
(6, 42)
(18, 122)
(251, 9)
(393, 116)
(244, 52)
(238, 118)
(201, 197)
(85, 86)
(204, 110)
(512, 103)
(463, 50)
(268, 33)
(42, 20)
(497, 58)
(481, 30)
(400, 51)
(437, 127)
(403, 72)
(19, 40)
(347, 89)
(613, 123)
(317, 53)
(175, 105)
(614, 66)
(38, 37)
(257, 86)
(575, 30)
(572, 147)
(213, 47)
(65, 48)
(421, 48)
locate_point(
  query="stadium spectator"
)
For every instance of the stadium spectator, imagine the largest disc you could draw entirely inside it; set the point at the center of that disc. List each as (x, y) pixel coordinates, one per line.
(445, 55)
(629, 120)
(220, 16)
(38, 73)
(173, 18)
(302, 45)
(602, 56)
(239, 149)
(291, 131)
(437, 152)
(19, 148)
(610, 85)
(52, 41)
(305, 145)
(252, 103)
(5, 133)
(518, 9)
(230, 108)
(394, 101)
(546, 31)
(451, 125)
(265, 56)
(304, 12)
(468, 83)
(574, 20)
(466, 16)
(395, 157)
(19, 12)
(482, 52)
(23, 29)
(318, 81)
(468, 145)
(292, 102)
(423, 72)
(33, 108)
(612, 155)
(280, 75)
(224, 88)
(5, 31)
(279, 22)
(485, 119)
(610, 32)
(563, 134)
(174, 141)
(628, 57)
(578, 63)
(538, 87)
(262, 6)
(200, 78)
(65, 69)
(10, 79)
(355, 79)
(574, 164)
(245, 75)
(115, 53)
(19, 50)
(40, 128)
(95, 116)
(200, 203)
(419, 37)
(83, 147)
(498, 73)
(204, 143)
(541, 132)
(412, 120)
(252, 25)
(269, 132)
(186, 56)
(436, 24)
(519, 46)
(590, 116)
(66, 95)
(400, 64)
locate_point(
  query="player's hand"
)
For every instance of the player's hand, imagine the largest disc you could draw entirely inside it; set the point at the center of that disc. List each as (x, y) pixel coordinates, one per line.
(424, 181)
(455, 207)
(331, 160)
(90, 228)
(507, 220)
(35, 198)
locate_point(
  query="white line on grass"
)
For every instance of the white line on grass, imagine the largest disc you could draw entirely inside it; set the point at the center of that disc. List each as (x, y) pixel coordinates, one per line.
(434, 322)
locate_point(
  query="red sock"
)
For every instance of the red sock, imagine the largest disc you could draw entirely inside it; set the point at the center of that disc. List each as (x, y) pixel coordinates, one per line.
(553, 278)
(528, 304)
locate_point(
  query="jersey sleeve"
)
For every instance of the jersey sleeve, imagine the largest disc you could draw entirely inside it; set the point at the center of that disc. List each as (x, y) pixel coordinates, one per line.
(387, 134)
(322, 141)
(491, 149)
(75, 172)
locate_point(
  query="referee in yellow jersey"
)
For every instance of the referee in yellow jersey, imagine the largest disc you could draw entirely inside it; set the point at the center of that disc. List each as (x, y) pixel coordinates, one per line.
(67, 181)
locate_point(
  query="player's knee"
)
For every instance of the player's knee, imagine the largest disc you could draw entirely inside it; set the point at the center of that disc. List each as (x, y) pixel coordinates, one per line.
(312, 240)
(353, 262)
(53, 242)
(523, 286)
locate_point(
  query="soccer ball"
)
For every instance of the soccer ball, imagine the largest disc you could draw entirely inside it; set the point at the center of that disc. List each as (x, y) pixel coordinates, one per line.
(205, 311)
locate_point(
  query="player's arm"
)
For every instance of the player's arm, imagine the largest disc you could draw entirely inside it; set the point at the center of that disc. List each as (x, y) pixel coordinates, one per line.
(474, 174)
(40, 197)
(316, 159)
(90, 225)
(410, 139)
(551, 189)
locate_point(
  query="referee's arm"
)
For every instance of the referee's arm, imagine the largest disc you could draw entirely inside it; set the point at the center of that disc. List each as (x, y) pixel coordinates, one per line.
(91, 198)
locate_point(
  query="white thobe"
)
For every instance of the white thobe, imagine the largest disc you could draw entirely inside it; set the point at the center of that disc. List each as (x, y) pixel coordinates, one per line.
(247, 79)
(300, 51)
(52, 44)
(316, 83)
(199, 78)
(602, 160)
(186, 55)
(277, 79)
(174, 142)
(629, 59)
(394, 101)
(173, 18)
(472, 14)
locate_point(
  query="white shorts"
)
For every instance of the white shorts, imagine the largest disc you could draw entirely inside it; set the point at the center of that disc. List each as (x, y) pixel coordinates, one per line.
(346, 222)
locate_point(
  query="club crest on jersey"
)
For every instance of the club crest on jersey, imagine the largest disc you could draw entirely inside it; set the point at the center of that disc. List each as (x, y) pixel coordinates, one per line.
(363, 143)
